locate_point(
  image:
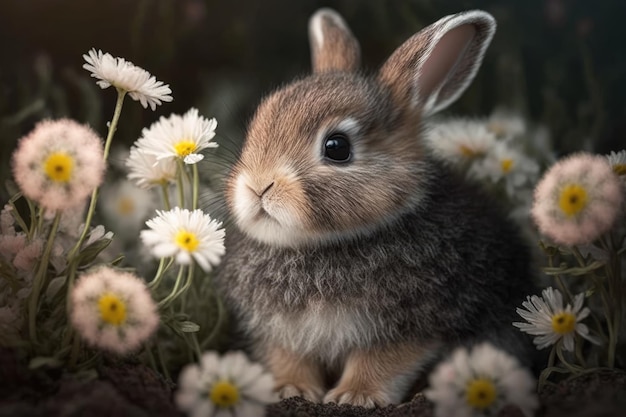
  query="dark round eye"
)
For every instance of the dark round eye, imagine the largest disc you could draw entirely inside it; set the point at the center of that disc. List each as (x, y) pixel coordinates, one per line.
(337, 148)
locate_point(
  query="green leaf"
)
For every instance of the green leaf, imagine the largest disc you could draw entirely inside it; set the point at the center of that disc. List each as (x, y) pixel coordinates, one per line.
(91, 252)
(54, 286)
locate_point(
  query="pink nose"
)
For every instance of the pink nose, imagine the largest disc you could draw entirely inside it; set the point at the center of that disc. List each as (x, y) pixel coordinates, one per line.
(264, 190)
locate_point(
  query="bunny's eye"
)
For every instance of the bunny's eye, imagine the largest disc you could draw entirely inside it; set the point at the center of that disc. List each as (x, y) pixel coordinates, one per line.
(337, 148)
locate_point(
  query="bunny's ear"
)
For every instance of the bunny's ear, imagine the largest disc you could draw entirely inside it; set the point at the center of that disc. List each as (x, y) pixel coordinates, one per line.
(333, 47)
(433, 67)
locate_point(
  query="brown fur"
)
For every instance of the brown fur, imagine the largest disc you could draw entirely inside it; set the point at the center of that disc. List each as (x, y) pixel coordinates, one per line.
(275, 145)
(369, 374)
(360, 269)
(295, 375)
(338, 50)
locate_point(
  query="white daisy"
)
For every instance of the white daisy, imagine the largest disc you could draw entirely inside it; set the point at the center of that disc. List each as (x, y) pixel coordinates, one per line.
(550, 321)
(578, 199)
(505, 163)
(186, 235)
(226, 386)
(125, 207)
(459, 140)
(124, 75)
(181, 137)
(113, 310)
(506, 123)
(147, 172)
(59, 164)
(480, 383)
(617, 161)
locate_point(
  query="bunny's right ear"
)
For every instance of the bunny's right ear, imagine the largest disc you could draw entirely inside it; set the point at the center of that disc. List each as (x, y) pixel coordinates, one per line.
(333, 47)
(433, 68)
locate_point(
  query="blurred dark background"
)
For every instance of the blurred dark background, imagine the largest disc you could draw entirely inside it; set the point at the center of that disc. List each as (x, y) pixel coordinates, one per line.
(561, 63)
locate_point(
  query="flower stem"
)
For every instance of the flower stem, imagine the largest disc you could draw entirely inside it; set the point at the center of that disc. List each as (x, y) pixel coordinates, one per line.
(94, 195)
(160, 273)
(196, 345)
(166, 372)
(613, 274)
(179, 183)
(560, 282)
(196, 180)
(166, 196)
(605, 297)
(575, 369)
(116, 117)
(218, 323)
(40, 277)
(167, 301)
(90, 211)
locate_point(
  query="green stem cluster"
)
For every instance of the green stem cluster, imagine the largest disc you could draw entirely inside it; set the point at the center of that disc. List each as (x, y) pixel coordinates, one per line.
(40, 278)
(94, 195)
(605, 279)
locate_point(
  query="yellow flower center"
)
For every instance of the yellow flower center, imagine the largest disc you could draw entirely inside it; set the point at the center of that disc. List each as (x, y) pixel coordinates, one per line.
(481, 393)
(224, 394)
(125, 206)
(619, 169)
(184, 148)
(573, 199)
(506, 165)
(112, 309)
(563, 323)
(468, 151)
(58, 167)
(187, 240)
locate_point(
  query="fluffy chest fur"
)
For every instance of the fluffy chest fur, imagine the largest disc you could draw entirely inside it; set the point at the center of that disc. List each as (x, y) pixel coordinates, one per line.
(449, 271)
(320, 330)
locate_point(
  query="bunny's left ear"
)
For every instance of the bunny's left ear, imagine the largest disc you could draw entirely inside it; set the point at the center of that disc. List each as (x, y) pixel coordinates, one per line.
(433, 67)
(333, 47)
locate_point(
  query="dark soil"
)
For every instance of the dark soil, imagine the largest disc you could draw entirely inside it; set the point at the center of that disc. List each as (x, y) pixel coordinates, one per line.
(137, 391)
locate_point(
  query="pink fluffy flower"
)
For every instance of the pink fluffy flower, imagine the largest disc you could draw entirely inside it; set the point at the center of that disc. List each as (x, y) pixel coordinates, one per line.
(59, 164)
(113, 310)
(10, 245)
(577, 200)
(27, 258)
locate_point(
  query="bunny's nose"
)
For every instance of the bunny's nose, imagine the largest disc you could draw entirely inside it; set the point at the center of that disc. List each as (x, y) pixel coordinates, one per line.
(264, 190)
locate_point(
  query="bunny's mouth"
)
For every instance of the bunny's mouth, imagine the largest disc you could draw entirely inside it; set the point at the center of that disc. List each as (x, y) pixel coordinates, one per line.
(262, 215)
(268, 213)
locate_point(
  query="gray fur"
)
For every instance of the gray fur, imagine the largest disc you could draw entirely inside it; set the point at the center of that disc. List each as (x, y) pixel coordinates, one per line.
(391, 249)
(452, 269)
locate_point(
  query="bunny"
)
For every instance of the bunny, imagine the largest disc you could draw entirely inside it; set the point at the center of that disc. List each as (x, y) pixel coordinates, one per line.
(358, 259)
